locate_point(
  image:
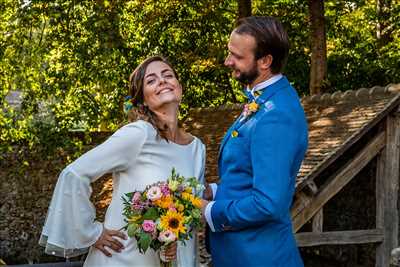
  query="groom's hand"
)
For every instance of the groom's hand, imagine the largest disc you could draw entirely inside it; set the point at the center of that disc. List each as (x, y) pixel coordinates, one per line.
(204, 204)
(208, 193)
(107, 239)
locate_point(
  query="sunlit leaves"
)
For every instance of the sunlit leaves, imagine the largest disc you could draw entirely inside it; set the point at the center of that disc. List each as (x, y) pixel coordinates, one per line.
(71, 59)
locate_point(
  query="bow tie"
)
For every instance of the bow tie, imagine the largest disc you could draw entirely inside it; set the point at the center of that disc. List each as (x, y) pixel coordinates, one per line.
(252, 97)
(249, 95)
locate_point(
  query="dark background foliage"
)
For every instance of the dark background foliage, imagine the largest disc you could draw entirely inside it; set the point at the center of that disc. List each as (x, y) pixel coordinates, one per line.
(71, 59)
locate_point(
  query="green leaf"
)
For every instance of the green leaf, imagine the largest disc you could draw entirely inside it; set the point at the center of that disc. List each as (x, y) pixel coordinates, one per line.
(151, 214)
(144, 242)
(132, 229)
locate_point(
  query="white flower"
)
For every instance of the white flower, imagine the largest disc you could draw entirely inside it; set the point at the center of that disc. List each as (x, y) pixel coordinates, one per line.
(173, 185)
(154, 193)
(167, 236)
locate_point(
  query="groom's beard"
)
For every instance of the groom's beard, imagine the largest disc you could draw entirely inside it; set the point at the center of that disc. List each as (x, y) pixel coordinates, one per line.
(250, 76)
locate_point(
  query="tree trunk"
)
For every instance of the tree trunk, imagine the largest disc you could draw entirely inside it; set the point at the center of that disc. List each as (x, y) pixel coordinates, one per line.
(383, 27)
(244, 8)
(318, 71)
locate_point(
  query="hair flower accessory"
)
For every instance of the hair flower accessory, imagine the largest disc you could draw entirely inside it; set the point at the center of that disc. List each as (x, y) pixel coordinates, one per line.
(128, 105)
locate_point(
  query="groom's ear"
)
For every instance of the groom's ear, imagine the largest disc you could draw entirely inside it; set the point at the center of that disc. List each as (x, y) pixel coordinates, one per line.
(265, 62)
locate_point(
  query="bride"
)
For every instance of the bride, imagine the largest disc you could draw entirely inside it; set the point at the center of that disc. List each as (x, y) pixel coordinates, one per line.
(140, 153)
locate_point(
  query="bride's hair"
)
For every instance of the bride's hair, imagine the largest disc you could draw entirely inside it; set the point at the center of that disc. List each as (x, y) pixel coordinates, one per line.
(140, 111)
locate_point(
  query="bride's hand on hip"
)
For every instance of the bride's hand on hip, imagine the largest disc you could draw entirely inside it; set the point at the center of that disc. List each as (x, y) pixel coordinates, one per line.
(107, 239)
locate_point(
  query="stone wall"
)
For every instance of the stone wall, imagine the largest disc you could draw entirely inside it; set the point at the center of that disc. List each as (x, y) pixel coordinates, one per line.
(25, 193)
(26, 189)
(27, 183)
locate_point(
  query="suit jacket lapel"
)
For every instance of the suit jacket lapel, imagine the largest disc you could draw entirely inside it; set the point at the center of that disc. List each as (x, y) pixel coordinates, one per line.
(267, 93)
(227, 136)
(229, 132)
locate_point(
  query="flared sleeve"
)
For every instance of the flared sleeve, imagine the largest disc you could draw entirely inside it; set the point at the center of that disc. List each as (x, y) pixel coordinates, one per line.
(70, 227)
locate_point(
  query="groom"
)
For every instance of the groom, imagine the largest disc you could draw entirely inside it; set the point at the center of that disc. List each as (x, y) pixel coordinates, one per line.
(260, 155)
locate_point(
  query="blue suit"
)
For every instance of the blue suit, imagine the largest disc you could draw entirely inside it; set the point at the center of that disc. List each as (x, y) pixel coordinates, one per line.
(257, 170)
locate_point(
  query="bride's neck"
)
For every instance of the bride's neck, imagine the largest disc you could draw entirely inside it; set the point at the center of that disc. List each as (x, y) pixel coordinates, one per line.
(168, 117)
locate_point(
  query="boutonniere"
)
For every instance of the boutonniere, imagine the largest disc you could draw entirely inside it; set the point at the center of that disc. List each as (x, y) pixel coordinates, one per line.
(249, 109)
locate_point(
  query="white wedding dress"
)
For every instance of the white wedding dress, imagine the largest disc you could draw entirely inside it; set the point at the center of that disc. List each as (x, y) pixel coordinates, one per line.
(137, 157)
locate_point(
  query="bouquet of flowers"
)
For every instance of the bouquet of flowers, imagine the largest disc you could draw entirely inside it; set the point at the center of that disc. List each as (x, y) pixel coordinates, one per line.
(164, 212)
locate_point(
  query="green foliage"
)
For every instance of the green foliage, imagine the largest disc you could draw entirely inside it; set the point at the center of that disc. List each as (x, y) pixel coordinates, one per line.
(193, 35)
(132, 228)
(355, 58)
(71, 59)
(144, 242)
(294, 16)
(151, 214)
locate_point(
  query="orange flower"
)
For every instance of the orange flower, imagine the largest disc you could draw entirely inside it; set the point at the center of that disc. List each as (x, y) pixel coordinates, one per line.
(164, 202)
(196, 201)
(253, 106)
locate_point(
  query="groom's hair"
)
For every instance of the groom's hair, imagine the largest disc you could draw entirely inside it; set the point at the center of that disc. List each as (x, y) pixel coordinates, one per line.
(271, 39)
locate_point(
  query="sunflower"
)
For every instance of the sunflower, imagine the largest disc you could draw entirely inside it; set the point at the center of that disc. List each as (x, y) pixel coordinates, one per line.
(173, 221)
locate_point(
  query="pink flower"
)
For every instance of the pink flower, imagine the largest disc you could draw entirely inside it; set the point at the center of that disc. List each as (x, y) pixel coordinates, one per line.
(172, 208)
(246, 111)
(154, 193)
(249, 109)
(136, 197)
(137, 206)
(165, 189)
(181, 188)
(148, 226)
(167, 236)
